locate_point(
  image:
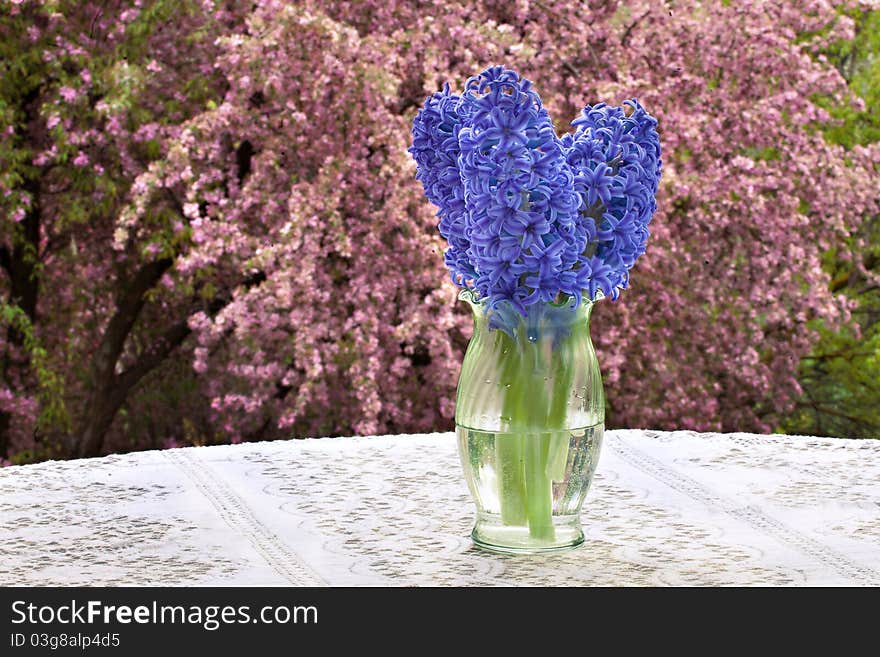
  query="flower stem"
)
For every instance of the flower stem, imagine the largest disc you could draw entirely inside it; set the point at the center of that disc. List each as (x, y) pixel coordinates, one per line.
(510, 457)
(539, 487)
(557, 457)
(510, 446)
(533, 453)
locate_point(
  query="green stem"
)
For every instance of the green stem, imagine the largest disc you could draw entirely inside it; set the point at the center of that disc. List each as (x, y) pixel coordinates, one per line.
(510, 445)
(510, 457)
(540, 489)
(560, 437)
(534, 452)
(557, 455)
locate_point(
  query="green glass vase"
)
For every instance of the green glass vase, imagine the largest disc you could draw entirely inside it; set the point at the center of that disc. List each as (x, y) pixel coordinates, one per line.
(530, 413)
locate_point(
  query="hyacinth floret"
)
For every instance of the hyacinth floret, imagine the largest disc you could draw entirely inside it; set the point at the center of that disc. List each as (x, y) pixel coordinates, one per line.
(532, 218)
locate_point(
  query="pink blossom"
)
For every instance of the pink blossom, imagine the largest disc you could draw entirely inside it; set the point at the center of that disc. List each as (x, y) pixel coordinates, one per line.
(129, 15)
(191, 210)
(68, 94)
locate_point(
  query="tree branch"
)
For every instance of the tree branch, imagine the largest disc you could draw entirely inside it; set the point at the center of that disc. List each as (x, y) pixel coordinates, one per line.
(629, 28)
(153, 356)
(842, 354)
(174, 336)
(820, 407)
(128, 308)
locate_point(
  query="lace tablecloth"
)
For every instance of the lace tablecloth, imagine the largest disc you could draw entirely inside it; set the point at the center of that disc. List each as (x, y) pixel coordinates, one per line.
(675, 508)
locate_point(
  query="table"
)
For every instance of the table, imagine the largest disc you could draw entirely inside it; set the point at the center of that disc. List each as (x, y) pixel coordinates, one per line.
(666, 508)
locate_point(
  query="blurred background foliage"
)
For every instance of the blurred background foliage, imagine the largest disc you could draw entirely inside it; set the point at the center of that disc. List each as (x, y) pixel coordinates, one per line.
(841, 377)
(210, 230)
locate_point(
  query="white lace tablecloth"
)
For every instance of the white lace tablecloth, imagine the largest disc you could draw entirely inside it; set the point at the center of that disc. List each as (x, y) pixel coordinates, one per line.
(675, 508)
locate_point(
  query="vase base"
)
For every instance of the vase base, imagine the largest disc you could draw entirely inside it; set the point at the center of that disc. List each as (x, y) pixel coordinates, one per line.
(490, 533)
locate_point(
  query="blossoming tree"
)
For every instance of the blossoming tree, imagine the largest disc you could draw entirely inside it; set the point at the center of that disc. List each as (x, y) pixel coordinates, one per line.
(210, 228)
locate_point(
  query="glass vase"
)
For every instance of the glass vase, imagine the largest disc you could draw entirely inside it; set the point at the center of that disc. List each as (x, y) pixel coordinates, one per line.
(530, 413)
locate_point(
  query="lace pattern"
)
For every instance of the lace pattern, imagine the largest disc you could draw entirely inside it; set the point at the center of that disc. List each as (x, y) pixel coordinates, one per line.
(666, 508)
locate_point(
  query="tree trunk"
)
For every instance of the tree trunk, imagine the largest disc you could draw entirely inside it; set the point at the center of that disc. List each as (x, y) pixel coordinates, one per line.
(110, 389)
(99, 414)
(107, 395)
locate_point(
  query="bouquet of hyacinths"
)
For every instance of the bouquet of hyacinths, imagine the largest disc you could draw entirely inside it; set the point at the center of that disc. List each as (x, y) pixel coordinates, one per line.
(537, 225)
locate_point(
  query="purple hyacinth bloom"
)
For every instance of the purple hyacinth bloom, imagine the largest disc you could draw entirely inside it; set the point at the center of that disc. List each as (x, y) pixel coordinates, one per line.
(531, 217)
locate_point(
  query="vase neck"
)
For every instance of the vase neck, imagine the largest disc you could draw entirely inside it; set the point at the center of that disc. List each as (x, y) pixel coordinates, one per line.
(541, 320)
